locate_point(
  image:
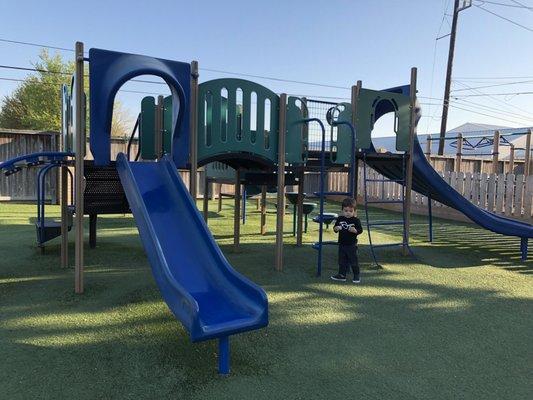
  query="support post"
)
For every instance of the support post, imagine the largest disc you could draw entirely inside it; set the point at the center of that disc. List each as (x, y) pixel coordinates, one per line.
(409, 169)
(495, 152)
(527, 156)
(356, 90)
(459, 155)
(80, 154)
(193, 187)
(300, 206)
(219, 197)
(159, 126)
(511, 160)
(263, 209)
(243, 204)
(64, 216)
(523, 248)
(281, 182)
(237, 210)
(223, 355)
(206, 199)
(428, 146)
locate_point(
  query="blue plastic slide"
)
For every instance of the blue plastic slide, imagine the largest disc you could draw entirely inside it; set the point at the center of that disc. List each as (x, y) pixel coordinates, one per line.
(196, 281)
(428, 182)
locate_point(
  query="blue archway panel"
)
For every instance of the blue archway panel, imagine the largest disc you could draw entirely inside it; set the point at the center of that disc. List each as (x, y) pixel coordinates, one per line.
(109, 70)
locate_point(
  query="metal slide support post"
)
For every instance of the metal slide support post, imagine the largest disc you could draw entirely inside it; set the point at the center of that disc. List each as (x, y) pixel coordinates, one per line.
(495, 152)
(459, 154)
(263, 209)
(409, 172)
(237, 210)
(281, 181)
(511, 159)
(527, 157)
(64, 216)
(523, 248)
(206, 198)
(223, 355)
(193, 150)
(430, 217)
(80, 153)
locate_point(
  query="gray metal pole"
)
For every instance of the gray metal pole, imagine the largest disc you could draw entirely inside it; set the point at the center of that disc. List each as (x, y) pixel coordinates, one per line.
(281, 181)
(301, 177)
(206, 198)
(193, 187)
(79, 176)
(158, 129)
(263, 209)
(356, 90)
(409, 169)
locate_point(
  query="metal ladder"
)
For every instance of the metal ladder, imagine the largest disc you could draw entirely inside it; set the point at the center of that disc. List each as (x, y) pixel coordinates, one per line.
(401, 222)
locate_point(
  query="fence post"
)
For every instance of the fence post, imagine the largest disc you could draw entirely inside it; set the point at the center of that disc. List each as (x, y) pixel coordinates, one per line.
(459, 155)
(495, 150)
(511, 159)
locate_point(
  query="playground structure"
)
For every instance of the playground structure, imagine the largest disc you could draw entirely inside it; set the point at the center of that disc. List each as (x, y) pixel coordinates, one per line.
(263, 136)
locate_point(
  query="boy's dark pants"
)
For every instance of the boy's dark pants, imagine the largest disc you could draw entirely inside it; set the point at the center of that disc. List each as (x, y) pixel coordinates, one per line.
(348, 258)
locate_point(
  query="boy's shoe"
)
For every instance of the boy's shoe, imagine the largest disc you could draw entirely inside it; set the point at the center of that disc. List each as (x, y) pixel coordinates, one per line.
(356, 280)
(339, 278)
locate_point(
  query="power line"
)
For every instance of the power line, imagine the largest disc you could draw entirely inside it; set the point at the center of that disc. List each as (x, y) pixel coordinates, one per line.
(469, 78)
(59, 84)
(504, 18)
(495, 94)
(482, 107)
(36, 45)
(523, 5)
(489, 86)
(506, 4)
(484, 114)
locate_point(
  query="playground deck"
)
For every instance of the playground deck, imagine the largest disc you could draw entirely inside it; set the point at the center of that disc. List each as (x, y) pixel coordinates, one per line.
(454, 323)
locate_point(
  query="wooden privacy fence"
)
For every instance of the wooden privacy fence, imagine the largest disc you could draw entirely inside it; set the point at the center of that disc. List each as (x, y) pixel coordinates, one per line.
(508, 195)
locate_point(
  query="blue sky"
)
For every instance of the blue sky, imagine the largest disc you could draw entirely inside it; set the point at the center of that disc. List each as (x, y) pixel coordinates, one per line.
(331, 42)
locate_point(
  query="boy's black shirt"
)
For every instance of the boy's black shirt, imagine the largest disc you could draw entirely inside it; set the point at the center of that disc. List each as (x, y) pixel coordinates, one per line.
(346, 237)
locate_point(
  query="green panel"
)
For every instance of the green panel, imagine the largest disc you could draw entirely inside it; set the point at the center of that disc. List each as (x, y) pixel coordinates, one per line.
(218, 170)
(147, 129)
(296, 142)
(367, 101)
(167, 125)
(343, 143)
(212, 120)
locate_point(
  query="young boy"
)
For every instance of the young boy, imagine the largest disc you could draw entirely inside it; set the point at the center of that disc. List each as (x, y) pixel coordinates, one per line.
(348, 226)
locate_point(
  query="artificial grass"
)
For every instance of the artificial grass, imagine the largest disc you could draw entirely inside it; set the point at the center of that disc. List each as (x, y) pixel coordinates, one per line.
(455, 322)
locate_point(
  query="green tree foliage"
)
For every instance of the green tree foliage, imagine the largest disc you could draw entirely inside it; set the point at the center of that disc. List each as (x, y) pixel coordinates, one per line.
(36, 103)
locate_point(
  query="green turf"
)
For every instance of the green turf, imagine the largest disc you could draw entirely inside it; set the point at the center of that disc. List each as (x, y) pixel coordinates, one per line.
(454, 323)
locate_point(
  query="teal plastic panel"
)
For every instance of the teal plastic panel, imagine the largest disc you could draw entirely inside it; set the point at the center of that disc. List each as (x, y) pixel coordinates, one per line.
(341, 148)
(218, 170)
(367, 102)
(224, 125)
(147, 129)
(296, 142)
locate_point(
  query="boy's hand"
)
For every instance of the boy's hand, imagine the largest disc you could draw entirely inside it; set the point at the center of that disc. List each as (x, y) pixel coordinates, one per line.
(336, 229)
(352, 229)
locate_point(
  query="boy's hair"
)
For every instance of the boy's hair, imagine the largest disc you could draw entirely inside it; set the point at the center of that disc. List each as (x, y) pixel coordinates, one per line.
(348, 202)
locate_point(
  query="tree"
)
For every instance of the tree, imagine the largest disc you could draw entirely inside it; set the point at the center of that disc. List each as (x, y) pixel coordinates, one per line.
(36, 103)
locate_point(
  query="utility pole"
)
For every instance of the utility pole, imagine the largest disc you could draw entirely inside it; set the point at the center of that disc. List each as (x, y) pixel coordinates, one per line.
(456, 9)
